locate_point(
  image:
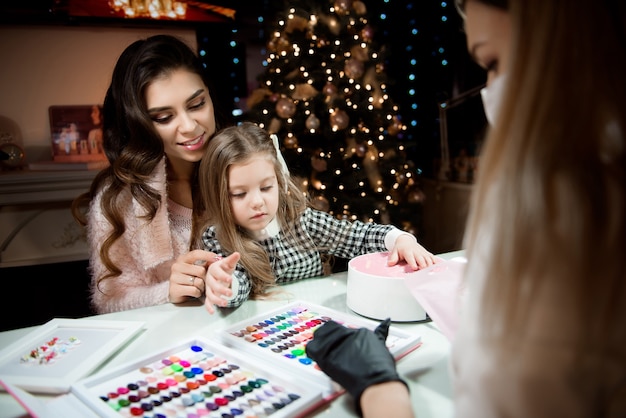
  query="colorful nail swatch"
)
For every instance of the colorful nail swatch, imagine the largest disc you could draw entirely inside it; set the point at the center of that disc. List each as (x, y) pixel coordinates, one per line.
(286, 331)
(257, 367)
(195, 382)
(50, 351)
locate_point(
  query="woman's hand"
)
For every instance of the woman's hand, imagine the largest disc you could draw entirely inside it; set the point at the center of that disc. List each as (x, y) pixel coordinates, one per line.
(187, 275)
(408, 249)
(357, 359)
(218, 282)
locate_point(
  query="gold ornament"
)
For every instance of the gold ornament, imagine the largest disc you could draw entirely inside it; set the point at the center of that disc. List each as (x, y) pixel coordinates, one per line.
(367, 33)
(342, 6)
(319, 164)
(360, 150)
(353, 68)
(339, 120)
(395, 126)
(285, 108)
(312, 122)
(291, 142)
(359, 8)
(330, 89)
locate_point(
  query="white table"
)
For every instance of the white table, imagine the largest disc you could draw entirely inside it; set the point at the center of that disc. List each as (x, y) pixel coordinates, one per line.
(425, 369)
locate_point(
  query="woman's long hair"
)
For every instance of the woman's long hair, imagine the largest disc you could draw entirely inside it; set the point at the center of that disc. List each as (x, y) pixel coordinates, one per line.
(236, 145)
(548, 210)
(131, 143)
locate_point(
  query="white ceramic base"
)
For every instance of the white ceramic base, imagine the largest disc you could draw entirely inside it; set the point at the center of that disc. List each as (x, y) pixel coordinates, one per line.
(377, 291)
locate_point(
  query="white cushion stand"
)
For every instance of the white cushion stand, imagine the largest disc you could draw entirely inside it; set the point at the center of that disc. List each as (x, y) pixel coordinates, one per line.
(377, 291)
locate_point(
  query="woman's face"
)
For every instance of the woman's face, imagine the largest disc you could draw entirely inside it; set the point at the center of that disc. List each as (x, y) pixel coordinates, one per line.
(488, 31)
(182, 112)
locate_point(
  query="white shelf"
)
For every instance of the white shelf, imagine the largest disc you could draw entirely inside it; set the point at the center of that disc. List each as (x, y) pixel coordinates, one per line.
(23, 187)
(36, 226)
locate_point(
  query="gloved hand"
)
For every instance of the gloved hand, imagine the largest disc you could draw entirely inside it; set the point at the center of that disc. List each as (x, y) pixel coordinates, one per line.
(354, 358)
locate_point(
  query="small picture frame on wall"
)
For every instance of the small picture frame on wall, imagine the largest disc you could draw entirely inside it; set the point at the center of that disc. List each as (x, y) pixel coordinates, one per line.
(76, 133)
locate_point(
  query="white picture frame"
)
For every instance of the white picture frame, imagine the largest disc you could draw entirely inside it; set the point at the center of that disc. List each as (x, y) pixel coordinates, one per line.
(94, 342)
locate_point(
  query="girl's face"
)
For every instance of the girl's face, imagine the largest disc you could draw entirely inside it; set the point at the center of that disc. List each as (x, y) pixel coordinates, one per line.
(488, 31)
(253, 191)
(182, 112)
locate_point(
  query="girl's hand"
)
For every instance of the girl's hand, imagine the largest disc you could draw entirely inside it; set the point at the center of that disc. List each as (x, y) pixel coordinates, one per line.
(187, 275)
(218, 281)
(407, 248)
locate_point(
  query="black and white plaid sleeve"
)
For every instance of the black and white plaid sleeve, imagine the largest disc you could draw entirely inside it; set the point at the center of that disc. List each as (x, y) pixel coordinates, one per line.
(346, 239)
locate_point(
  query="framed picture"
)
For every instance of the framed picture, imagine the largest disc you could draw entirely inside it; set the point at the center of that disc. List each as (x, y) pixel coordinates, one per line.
(76, 133)
(62, 351)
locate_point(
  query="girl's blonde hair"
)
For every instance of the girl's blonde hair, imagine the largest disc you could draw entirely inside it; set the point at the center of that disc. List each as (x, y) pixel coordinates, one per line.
(236, 145)
(548, 210)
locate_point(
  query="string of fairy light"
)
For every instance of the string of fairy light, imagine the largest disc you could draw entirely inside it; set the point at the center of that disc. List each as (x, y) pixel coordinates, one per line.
(349, 75)
(402, 119)
(423, 61)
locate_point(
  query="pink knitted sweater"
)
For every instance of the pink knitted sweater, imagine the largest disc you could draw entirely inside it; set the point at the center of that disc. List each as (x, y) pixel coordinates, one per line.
(145, 252)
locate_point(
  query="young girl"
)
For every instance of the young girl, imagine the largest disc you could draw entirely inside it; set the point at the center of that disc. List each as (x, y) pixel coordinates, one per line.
(258, 217)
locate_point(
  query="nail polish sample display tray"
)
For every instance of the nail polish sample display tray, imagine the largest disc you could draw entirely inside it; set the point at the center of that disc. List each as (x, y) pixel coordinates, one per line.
(280, 336)
(57, 354)
(256, 367)
(197, 377)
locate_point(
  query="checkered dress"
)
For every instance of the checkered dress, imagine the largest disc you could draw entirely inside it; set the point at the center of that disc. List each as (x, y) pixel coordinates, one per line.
(317, 233)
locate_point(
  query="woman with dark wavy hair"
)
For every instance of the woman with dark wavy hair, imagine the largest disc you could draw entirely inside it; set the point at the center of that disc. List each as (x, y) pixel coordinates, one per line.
(158, 118)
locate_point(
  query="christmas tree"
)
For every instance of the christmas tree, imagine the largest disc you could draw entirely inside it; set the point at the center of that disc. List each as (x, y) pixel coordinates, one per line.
(324, 94)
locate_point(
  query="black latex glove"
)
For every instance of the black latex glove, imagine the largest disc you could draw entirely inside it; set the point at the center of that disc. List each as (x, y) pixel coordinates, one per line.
(354, 358)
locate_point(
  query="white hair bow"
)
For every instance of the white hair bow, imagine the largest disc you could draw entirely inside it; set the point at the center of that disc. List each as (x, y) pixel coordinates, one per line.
(283, 164)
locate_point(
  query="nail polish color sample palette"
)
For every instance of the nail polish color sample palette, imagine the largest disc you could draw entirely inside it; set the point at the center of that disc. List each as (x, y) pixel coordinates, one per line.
(60, 352)
(281, 336)
(197, 378)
